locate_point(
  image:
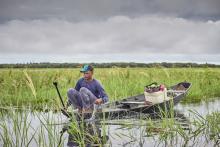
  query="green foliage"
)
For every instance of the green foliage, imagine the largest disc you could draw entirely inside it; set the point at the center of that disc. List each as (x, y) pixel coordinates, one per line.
(33, 87)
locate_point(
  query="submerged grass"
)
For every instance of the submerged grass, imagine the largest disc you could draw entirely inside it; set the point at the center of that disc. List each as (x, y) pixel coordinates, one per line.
(33, 87)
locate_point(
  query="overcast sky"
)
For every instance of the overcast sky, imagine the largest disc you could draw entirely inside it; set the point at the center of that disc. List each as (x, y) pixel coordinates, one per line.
(109, 30)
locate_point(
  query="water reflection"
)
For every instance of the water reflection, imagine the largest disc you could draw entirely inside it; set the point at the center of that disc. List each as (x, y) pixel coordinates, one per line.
(134, 130)
(82, 132)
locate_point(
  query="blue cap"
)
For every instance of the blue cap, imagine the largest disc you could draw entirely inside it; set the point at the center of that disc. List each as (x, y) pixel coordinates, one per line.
(86, 68)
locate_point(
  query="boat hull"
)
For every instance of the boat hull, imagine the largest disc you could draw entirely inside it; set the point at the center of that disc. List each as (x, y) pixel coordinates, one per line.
(121, 108)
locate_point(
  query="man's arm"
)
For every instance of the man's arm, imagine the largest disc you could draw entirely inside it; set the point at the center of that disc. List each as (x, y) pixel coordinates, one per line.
(102, 92)
(78, 84)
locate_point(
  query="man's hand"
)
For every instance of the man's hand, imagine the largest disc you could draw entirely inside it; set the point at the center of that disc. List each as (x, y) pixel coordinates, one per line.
(98, 101)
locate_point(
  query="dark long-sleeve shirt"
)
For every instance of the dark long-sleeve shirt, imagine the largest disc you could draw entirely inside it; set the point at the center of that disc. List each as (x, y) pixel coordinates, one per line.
(94, 86)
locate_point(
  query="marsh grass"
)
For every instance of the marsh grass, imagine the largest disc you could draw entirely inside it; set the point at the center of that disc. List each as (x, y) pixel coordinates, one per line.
(187, 133)
(23, 129)
(84, 133)
(167, 129)
(30, 83)
(14, 131)
(17, 129)
(33, 87)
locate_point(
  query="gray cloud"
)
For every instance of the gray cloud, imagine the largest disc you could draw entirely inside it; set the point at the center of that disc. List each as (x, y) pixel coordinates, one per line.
(119, 28)
(119, 34)
(80, 10)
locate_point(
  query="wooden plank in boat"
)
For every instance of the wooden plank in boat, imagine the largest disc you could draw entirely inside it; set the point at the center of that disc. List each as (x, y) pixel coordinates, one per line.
(176, 91)
(130, 102)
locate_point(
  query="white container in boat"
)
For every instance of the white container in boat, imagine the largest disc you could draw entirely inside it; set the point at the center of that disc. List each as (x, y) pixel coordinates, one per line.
(156, 97)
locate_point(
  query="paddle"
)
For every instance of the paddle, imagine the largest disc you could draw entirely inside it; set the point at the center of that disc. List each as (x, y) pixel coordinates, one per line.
(61, 99)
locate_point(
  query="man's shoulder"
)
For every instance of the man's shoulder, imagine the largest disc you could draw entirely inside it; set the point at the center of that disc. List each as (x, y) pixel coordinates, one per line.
(80, 80)
(97, 82)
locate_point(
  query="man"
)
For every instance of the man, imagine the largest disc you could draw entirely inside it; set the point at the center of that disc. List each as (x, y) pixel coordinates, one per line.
(87, 91)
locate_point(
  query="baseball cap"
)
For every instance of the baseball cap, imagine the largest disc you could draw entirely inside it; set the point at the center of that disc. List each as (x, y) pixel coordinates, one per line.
(86, 68)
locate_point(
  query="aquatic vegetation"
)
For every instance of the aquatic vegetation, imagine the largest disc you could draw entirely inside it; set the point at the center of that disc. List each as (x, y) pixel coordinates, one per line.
(168, 128)
(22, 128)
(33, 87)
(22, 92)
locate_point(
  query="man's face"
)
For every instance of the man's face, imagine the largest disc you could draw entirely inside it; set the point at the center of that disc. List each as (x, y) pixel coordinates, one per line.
(88, 75)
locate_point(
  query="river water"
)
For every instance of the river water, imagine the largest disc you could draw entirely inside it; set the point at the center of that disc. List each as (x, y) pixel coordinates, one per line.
(202, 108)
(134, 134)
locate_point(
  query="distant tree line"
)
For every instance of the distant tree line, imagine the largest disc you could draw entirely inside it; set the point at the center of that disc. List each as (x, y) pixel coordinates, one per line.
(107, 65)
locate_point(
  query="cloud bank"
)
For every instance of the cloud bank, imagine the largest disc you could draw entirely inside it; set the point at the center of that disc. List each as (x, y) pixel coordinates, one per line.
(110, 30)
(118, 34)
